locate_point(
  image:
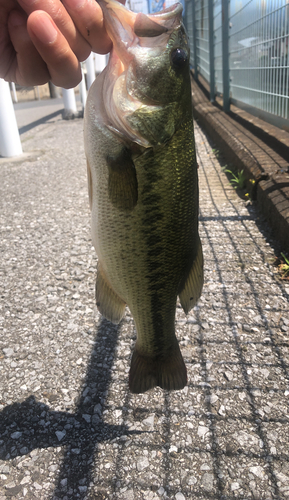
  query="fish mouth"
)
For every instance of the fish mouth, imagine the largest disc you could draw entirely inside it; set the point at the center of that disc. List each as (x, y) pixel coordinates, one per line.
(128, 30)
(163, 15)
(125, 27)
(170, 12)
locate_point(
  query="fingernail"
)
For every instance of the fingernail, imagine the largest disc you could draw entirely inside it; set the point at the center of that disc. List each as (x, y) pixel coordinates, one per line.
(45, 30)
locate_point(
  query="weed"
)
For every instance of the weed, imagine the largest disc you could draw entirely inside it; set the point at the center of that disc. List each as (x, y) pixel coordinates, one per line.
(282, 263)
(251, 186)
(238, 180)
(284, 267)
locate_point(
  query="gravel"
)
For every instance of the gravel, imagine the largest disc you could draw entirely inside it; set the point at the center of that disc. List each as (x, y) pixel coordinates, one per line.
(69, 428)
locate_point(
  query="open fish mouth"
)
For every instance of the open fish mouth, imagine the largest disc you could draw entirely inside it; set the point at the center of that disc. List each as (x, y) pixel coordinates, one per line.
(169, 12)
(164, 15)
(124, 25)
(139, 42)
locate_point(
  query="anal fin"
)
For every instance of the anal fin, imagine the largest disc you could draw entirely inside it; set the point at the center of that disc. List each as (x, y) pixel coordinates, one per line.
(109, 304)
(168, 372)
(194, 282)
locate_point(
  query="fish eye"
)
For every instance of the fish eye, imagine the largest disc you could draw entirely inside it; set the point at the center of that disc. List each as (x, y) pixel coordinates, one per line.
(179, 57)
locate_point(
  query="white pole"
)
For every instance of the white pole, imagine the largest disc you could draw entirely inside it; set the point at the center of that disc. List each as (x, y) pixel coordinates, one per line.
(10, 144)
(70, 109)
(82, 89)
(100, 63)
(13, 88)
(90, 70)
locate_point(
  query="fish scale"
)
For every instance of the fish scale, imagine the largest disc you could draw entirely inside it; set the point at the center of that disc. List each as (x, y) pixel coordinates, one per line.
(143, 189)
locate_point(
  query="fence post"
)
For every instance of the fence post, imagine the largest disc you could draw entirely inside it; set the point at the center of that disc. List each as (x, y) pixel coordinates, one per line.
(90, 72)
(70, 109)
(54, 91)
(100, 63)
(13, 88)
(225, 50)
(10, 144)
(82, 89)
(211, 50)
(195, 40)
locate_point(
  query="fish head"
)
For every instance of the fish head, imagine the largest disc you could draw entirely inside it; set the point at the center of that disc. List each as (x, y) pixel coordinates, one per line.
(147, 87)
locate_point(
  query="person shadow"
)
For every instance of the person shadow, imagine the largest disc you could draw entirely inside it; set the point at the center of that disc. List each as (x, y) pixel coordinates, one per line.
(31, 425)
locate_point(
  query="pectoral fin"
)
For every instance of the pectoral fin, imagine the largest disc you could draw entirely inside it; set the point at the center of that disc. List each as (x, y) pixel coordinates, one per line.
(156, 124)
(122, 181)
(109, 304)
(194, 282)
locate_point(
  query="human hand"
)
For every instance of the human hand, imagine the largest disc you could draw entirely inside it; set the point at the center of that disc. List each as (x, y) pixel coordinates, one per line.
(42, 40)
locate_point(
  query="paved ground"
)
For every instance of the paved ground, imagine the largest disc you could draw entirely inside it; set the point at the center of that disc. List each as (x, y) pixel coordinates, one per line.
(69, 428)
(254, 147)
(32, 113)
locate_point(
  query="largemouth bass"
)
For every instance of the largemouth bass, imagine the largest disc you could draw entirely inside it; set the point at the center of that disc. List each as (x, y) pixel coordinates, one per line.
(143, 187)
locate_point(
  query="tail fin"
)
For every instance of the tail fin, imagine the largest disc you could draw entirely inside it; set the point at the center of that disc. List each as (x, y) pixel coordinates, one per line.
(168, 372)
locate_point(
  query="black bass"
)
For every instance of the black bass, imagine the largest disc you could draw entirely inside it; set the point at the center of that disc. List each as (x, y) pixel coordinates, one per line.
(143, 187)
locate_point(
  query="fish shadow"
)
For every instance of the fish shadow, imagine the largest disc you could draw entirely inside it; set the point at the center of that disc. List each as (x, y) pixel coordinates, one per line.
(32, 425)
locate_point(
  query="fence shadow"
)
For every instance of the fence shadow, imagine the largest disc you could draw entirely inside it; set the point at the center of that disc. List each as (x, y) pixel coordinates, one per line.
(34, 425)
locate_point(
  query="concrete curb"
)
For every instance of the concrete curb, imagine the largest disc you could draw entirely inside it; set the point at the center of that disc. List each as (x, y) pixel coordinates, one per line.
(266, 169)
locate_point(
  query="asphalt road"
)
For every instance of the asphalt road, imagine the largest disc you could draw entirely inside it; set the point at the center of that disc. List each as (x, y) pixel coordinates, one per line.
(69, 428)
(29, 114)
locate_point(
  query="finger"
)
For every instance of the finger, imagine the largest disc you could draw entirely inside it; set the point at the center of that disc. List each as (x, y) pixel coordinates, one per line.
(88, 17)
(26, 66)
(54, 49)
(6, 48)
(63, 21)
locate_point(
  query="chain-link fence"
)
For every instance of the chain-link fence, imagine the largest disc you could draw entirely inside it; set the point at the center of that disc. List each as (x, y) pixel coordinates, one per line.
(241, 50)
